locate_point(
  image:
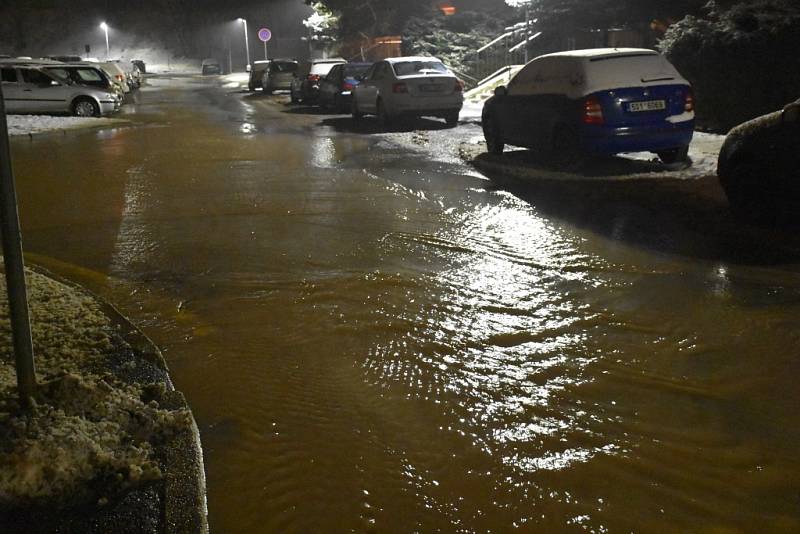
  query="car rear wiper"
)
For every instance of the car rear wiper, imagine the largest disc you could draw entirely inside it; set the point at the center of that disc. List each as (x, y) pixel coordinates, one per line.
(647, 80)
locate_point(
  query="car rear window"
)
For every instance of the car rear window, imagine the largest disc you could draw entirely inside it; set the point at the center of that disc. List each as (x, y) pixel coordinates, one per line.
(89, 75)
(407, 68)
(629, 71)
(322, 69)
(283, 66)
(355, 70)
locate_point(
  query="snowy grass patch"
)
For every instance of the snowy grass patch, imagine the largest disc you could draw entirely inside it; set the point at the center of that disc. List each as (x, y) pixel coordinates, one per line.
(89, 435)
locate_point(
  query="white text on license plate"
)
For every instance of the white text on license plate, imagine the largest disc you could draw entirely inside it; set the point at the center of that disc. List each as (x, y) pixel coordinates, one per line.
(648, 105)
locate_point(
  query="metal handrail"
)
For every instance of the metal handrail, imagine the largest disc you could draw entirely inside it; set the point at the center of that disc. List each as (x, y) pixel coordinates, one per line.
(464, 75)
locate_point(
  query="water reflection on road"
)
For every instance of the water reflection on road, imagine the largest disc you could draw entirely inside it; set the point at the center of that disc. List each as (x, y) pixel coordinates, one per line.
(373, 341)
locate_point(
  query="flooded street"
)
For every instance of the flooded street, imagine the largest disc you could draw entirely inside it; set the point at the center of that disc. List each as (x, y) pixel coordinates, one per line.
(376, 338)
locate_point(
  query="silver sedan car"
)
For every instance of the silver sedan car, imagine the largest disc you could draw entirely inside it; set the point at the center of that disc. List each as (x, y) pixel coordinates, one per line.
(29, 89)
(409, 86)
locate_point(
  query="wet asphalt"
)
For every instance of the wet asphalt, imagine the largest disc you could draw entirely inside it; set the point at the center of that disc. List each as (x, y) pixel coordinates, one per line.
(375, 336)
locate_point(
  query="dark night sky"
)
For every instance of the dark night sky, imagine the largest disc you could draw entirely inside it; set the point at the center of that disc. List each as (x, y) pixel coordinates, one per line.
(195, 28)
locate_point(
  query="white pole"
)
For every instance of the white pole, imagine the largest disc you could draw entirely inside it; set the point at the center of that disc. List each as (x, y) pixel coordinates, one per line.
(265, 50)
(246, 41)
(104, 26)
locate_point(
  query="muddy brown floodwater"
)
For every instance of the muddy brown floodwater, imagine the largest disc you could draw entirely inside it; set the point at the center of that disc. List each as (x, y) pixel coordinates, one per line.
(374, 339)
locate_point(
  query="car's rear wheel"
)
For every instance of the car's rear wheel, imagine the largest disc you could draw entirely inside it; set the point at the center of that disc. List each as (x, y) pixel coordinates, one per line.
(383, 115)
(451, 118)
(294, 98)
(338, 107)
(357, 115)
(675, 155)
(566, 151)
(494, 140)
(85, 107)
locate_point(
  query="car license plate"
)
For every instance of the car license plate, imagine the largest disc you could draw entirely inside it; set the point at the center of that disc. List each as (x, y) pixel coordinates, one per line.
(430, 88)
(648, 105)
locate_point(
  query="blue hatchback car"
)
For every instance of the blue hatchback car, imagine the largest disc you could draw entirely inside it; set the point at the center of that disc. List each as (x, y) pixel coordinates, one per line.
(598, 101)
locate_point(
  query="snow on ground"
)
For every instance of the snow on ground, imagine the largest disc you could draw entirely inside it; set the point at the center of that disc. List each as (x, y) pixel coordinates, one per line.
(703, 152)
(177, 66)
(471, 111)
(160, 60)
(235, 80)
(36, 124)
(523, 164)
(89, 435)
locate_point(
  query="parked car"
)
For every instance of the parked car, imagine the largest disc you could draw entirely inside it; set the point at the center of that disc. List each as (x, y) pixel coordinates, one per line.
(279, 75)
(118, 76)
(136, 75)
(336, 89)
(30, 89)
(84, 74)
(256, 71)
(409, 86)
(210, 66)
(759, 167)
(67, 59)
(305, 86)
(599, 101)
(139, 64)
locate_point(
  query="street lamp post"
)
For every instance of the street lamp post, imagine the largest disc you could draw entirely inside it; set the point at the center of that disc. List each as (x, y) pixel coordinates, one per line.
(246, 41)
(15, 270)
(104, 27)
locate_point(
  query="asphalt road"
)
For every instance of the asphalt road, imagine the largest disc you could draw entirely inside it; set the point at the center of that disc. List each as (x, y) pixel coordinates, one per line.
(375, 336)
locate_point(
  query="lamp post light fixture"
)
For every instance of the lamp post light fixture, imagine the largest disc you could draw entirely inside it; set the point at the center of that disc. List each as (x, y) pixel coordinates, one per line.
(246, 42)
(104, 27)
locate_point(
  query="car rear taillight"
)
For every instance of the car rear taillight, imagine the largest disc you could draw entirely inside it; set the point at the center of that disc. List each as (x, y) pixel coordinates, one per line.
(689, 106)
(313, 77)
(399, 88)
(592, 111)
(120, 77)
(348, 86)
(459, 86)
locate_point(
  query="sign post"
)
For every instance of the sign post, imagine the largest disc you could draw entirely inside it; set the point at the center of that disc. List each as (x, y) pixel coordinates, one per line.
(15, 270)
(265, 35)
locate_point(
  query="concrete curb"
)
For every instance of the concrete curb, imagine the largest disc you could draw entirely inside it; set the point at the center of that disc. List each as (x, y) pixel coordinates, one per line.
(185, 507)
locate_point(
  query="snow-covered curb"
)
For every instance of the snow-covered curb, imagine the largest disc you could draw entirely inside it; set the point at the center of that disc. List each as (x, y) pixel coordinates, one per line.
(703, 153)
(38, 124)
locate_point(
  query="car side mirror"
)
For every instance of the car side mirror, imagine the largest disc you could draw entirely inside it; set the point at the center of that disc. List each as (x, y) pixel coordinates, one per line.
(501, 91)
(791, 113)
